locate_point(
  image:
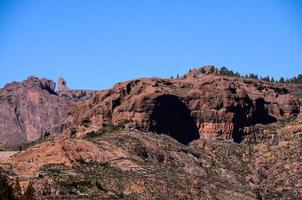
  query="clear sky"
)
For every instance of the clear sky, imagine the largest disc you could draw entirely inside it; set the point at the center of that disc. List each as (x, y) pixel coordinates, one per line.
(96, 43)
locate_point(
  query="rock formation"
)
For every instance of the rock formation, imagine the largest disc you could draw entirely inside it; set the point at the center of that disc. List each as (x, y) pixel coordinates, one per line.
(208, 106)
(201, 104)
(32, 108)
(62, 84)
(156, 138)
(65, 91)
(29, 110)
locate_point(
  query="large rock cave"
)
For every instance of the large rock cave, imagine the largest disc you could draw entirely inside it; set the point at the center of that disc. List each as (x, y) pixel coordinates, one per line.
(172, 117)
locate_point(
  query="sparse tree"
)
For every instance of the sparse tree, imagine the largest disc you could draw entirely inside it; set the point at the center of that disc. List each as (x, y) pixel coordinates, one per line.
(17, 190)
(6, 190)
(29, 193)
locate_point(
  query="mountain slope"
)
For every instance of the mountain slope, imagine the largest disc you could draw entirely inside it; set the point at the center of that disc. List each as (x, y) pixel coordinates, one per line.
(201, 136)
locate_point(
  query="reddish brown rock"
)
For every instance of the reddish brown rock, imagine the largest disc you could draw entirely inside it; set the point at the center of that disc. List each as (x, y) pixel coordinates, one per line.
(136, 164)
(201, 104)
(62, 84)
(210, 106)
(29, 110)
(32, 108)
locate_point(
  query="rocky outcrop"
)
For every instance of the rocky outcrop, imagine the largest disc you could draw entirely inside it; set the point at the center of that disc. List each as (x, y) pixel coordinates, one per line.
(127, 104)
(62, 84)
(75, 94)
(199, 72)
(32, 109)
(209, 106)
(108, 148)
(230, 107)
(201, 104)
(29, 110)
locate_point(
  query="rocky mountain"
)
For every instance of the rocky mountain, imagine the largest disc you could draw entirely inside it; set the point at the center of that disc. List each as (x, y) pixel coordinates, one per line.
(32, 109)
(208, 106)
(205, 135)
(117, 164)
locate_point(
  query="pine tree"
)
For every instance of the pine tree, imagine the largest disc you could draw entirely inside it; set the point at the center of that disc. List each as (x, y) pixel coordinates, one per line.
(29, 193)
(266, 78)
(17, 190)
(6, 190)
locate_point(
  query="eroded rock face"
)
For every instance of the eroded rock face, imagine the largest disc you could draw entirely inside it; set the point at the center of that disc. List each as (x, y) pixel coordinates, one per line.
(199, 105)
(29, 110)
(210, 105)
(130, 103)
(230, 107)
(32, 109)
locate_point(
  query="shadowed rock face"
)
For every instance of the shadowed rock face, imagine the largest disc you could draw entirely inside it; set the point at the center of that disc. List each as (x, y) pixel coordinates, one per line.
(213, 106)
(172, 117)
(249, 114)
(261, 114)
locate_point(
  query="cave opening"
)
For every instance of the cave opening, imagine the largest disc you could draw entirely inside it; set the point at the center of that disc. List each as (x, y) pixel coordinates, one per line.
(260, 115)
(172, 117)
(240, 120)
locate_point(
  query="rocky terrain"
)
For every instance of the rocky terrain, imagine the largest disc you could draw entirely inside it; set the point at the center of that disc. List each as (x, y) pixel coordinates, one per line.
(201, 136)
(33, 109)
(209, 106)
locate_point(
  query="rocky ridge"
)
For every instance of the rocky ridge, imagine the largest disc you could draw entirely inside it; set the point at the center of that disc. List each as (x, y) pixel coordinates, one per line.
(201, 136)
(209, 106)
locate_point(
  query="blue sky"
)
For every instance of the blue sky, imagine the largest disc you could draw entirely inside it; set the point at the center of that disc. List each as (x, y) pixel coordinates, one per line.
(96, 43)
